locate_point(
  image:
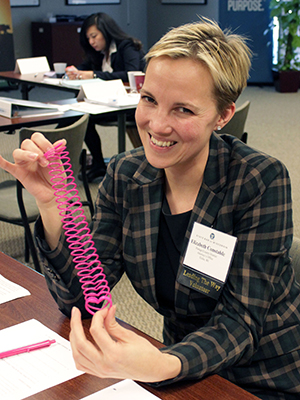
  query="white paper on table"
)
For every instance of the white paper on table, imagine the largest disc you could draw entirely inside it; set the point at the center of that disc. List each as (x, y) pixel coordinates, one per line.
(77, 83)
(74, 84)
(10, 290)
(26, 374)
(100, 91)
(127, 100)
(90, 108)
(124, 390)
(52, 81)
(31, 65)
(111, 93)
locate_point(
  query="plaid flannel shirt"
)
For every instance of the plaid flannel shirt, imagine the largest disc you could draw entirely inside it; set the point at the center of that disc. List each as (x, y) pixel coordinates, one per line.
(250, 335)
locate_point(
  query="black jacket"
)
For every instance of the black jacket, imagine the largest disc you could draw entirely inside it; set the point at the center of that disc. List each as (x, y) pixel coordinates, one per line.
(127, 58)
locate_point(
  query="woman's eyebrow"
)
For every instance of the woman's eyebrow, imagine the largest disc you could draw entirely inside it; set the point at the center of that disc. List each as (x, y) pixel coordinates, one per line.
(144, 91)
(188, 105)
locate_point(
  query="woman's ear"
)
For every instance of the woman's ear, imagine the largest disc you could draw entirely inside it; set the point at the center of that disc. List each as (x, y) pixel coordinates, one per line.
(226, 116)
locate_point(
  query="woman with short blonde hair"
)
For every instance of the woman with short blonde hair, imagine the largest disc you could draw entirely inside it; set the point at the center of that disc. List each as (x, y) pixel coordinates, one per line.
(226, 55)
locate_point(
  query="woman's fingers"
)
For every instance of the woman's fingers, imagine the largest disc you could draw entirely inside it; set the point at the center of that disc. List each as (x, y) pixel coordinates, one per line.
(37, 143)
(76, 325)
(6, 165)
(25, 156)
(33, 149)
(30, 164)
(71, 72)
(28, 152)
(106, 330)
(36, 147)
(85, 353)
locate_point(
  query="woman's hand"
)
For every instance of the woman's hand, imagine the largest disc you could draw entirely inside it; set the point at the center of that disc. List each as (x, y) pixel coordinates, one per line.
(74, 73)
(30, 168)
(118, 352)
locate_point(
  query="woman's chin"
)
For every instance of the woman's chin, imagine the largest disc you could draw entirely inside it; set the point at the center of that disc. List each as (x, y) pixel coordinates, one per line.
(157, 160)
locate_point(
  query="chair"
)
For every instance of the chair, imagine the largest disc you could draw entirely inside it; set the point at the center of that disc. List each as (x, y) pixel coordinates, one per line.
(74, 135)
(237, 123)
(18, 207)
(133, 134)
(295, 254)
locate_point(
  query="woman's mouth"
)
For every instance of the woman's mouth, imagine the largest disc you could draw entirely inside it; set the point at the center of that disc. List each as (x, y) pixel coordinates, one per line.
(161, 143)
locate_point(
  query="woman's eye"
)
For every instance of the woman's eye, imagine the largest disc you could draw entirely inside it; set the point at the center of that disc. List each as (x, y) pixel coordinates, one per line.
(185, 110)
(148, 99)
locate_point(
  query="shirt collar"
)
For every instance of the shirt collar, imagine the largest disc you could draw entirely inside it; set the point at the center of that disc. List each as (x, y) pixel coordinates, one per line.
(112, 48)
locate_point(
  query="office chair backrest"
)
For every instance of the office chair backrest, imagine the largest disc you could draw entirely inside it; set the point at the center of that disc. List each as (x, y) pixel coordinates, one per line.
(295, 254)
(74, 135)
(236, 125)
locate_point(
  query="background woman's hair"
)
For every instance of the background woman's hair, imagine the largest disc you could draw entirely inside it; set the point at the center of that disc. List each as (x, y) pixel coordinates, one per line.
(226, 55)
(109, 29)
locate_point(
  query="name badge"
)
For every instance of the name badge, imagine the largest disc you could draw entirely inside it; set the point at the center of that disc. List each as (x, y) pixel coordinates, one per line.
(207, 260)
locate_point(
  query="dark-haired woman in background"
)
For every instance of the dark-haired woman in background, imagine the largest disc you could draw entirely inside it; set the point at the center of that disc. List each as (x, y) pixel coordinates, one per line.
(109, 54)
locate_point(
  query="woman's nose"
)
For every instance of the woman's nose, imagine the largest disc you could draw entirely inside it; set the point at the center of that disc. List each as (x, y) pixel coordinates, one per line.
(160, 123)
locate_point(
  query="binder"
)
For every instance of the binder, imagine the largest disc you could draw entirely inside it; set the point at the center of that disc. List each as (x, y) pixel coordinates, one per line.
(15, 108)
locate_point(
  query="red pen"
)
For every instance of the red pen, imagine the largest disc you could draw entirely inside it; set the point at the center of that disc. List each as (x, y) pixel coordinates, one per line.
(26, 349)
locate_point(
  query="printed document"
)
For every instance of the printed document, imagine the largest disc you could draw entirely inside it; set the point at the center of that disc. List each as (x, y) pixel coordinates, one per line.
(10, 290)
(25, 374)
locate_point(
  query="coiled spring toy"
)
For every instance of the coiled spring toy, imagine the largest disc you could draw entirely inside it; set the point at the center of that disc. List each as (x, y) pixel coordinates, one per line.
(91, 277)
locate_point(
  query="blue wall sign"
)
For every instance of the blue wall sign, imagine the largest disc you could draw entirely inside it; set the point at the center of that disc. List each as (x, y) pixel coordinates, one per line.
(251, 18)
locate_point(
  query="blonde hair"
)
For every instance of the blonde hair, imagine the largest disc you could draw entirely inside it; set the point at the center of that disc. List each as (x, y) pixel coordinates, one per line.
(226, 55)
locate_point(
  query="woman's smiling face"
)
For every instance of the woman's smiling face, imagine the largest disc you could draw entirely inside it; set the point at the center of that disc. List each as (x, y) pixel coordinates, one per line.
(177, 113)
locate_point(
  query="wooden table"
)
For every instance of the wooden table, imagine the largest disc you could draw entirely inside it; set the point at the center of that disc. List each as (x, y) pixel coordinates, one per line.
(11, 124)
(29, 81)
(40, 306)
